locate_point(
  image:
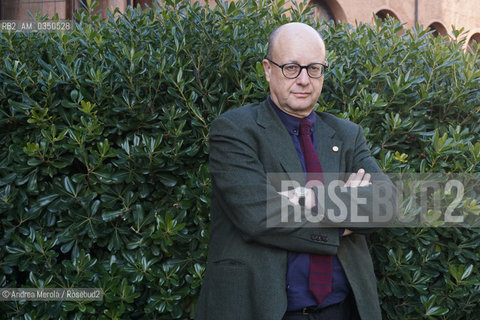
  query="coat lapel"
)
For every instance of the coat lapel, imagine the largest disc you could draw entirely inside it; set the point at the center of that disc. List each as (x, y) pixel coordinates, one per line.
(277, 137)
(329, 149)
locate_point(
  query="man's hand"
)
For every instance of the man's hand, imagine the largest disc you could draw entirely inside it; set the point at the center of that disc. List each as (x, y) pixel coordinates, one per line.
(293, 196)
(359, 179)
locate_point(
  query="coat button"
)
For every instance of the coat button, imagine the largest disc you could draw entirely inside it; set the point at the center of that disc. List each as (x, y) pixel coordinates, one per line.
(335, 149)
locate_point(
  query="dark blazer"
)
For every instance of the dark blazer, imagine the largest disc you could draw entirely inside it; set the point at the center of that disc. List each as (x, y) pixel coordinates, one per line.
(246, 270)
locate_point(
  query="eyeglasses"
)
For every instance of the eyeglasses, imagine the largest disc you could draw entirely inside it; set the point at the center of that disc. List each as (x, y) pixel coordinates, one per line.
(292, 70)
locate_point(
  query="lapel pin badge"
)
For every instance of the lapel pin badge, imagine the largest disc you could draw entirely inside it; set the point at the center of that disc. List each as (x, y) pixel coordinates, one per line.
(335, 149)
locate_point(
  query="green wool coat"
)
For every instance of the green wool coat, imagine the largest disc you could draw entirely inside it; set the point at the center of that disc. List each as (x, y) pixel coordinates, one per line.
(245, 277)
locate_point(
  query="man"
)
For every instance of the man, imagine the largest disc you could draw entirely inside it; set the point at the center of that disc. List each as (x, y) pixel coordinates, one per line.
(258, 272)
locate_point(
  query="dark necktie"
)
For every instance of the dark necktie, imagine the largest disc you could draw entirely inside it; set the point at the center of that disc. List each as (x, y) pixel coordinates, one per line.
(320, 277)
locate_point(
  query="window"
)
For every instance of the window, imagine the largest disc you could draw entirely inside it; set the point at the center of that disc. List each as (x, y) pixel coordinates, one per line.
(474, 40)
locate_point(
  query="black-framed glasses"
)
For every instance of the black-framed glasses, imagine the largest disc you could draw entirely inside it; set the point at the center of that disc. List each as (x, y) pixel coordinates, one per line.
(292, 70)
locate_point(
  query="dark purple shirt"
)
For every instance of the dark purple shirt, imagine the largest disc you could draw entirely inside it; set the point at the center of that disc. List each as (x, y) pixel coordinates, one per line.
(298, 293)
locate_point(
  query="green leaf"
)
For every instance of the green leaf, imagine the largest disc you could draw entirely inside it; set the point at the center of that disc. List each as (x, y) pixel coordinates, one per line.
(167, 179)
(467, 272)
(110, 215)
(46, 200)
(9, 178)
(69, 187)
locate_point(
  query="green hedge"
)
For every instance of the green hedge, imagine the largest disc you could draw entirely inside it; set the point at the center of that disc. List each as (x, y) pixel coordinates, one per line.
(104, 143)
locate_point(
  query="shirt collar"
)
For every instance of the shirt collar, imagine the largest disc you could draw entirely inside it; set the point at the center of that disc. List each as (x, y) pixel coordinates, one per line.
(290, 122)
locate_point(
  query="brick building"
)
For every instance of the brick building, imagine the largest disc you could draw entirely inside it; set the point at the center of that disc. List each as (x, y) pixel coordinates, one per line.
(439, 15)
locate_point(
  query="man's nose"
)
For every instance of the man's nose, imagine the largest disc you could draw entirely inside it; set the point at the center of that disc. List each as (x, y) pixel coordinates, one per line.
(303, 77)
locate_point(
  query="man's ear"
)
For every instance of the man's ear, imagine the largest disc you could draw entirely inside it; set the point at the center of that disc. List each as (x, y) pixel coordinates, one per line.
(267, 68)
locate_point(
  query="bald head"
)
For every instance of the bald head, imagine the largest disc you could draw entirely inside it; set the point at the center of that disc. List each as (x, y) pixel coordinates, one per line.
(291, 31)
